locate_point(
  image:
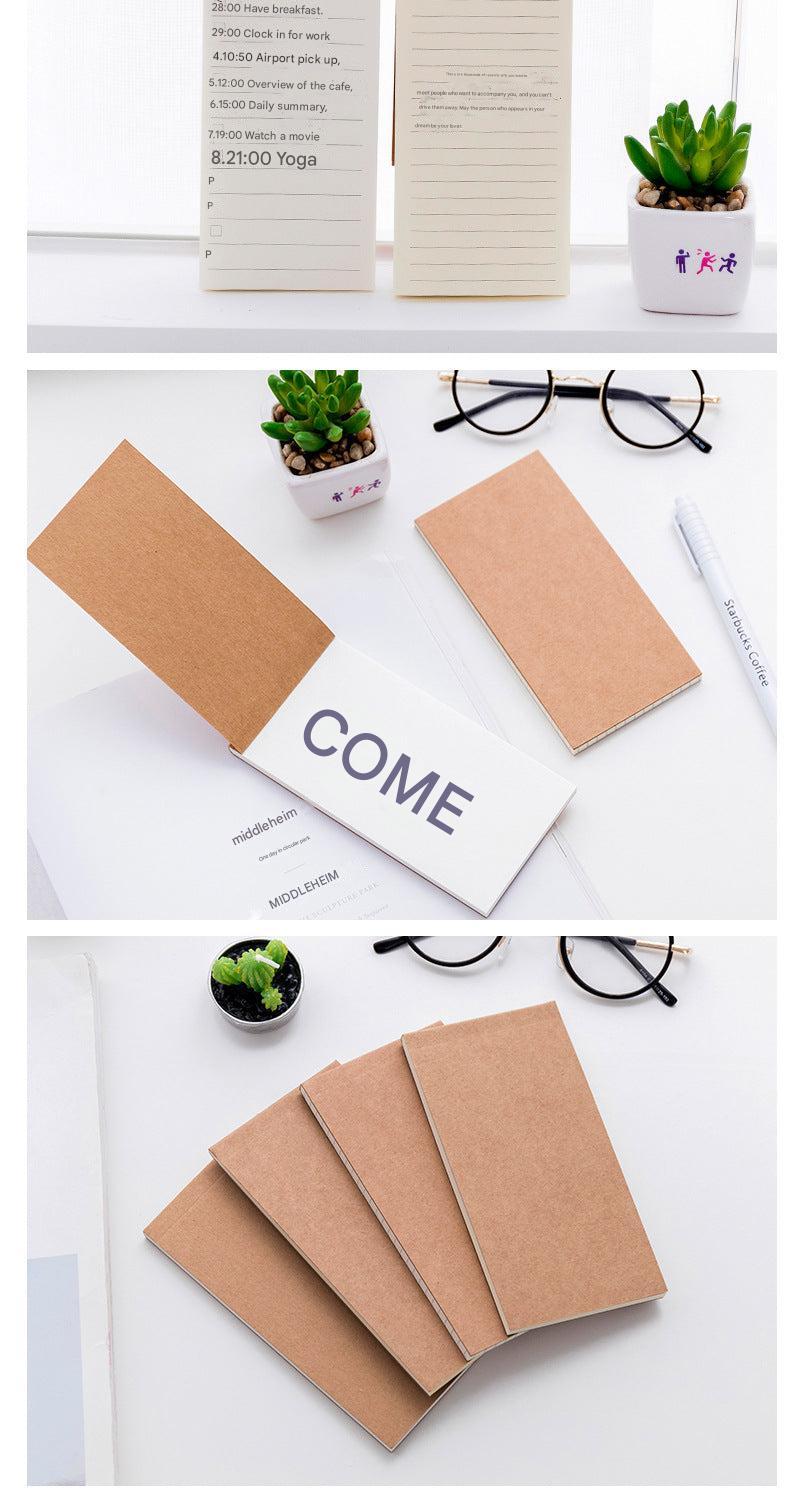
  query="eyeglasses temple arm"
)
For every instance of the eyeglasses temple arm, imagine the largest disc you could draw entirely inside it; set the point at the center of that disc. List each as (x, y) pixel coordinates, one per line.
(660, 991)
(391, 943)
(657, 401)
(517, 393)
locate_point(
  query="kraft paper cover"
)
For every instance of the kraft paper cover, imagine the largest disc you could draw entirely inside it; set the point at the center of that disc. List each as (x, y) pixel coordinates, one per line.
(179, 592)
(371, 1110)
(571, 618)
(218, 1236)
(539, 1184)
(286, 1165)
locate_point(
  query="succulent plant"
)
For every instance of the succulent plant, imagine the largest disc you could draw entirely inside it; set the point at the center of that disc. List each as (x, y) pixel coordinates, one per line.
(252, 972)
(685, 158)
(321, 410)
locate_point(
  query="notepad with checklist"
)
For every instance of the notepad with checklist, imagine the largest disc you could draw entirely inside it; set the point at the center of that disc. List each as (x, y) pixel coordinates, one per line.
(482, 147)
(289, 139)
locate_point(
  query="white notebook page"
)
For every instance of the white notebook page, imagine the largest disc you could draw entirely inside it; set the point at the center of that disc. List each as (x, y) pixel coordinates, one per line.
(289, 140)
(482, 150)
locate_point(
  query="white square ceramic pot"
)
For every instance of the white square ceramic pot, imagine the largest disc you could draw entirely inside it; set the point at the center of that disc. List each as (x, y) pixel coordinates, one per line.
(332, 491)
(691, 262)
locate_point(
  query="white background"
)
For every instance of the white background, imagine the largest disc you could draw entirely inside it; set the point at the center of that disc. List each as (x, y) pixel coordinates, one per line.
(115, 106)
(676, 1392)
(674, 812)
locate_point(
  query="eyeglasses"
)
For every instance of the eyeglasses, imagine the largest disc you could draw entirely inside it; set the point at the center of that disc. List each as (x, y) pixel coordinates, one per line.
(449, 953)
(632, 403)
(601, 965)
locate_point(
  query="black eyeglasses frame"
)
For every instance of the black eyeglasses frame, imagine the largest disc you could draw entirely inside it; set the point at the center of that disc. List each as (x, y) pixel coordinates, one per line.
(623, 945)
(582, 389)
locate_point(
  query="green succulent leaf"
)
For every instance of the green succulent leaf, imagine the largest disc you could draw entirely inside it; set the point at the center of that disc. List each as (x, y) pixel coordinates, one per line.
(348, 398)
(671, 169)
(225, 971)
(728, 111)
(271, 999)
(724, 137)
(645, 164)
(276, 429)
(732, 173)
(674, 139)
(310, 441)
(334, 433)
(356, 423)
(701, 166)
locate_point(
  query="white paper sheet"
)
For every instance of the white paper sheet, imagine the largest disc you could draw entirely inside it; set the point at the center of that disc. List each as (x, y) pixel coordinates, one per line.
(138, 809)
(461, 807)
(69, 1309)
(289, 138)
(482, 147)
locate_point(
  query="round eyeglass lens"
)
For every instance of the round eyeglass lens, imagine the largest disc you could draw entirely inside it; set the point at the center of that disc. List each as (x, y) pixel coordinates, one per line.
(459, 954)
(502, 403)
(602, 967)
(652, 409)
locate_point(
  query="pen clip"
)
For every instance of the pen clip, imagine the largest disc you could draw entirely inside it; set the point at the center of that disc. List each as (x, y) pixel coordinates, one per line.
(684, 542)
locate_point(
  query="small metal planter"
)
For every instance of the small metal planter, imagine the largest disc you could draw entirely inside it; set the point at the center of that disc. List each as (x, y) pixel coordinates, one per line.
(269, 1022)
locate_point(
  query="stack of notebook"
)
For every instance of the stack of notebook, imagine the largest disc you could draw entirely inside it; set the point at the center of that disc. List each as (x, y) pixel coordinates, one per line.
(394, 1218)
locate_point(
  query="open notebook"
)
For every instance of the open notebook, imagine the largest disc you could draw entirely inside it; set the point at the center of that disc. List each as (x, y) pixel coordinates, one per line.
(429, 787)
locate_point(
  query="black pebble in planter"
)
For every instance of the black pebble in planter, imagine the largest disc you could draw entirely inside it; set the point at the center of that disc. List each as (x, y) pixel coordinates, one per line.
(243, 1007)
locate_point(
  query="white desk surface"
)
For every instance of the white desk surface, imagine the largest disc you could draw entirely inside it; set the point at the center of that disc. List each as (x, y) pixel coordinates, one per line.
(675, 813)
(679, 1392)
(139, 295)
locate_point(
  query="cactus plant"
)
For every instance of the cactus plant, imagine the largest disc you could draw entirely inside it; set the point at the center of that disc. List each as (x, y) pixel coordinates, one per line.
(253, 971)
(319, 412)
(687, 159)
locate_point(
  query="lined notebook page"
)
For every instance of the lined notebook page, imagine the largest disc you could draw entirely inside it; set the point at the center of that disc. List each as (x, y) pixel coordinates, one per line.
(482, 147)
(289, 141)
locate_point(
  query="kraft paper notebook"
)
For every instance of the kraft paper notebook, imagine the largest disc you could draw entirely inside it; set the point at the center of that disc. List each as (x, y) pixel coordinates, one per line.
(289, 140)
(213, 1232)
(282, 1160)
(429, 787)
(575, 624)
(532, 1166)
(482, 147)
(371, 1112)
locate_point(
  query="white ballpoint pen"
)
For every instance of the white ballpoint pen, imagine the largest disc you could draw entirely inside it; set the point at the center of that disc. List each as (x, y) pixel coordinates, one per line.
(706, 560)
